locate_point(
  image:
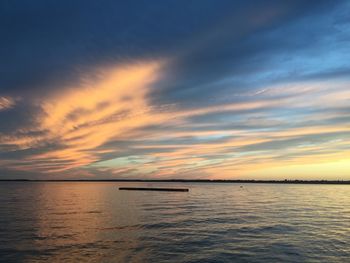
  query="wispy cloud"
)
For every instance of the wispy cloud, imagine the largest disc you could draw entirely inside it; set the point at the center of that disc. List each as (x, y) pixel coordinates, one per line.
(110, 123)
(78, 120)
(219, 91)
(6, 103)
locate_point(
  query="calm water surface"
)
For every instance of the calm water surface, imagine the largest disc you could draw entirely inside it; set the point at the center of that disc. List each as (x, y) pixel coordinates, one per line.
(94, 222)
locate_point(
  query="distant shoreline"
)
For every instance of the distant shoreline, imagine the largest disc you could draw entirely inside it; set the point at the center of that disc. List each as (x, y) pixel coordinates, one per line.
(344, 182)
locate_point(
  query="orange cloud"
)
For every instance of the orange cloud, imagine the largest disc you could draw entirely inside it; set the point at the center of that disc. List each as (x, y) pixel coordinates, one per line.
(83, 118)
(6, 103)
(80, 121)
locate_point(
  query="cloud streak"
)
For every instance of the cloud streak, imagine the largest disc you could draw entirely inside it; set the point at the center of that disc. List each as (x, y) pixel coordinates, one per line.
(110, 124)
(150, 91)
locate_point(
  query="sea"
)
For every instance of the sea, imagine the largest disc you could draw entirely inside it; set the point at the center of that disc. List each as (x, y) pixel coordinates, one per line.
(213, 222)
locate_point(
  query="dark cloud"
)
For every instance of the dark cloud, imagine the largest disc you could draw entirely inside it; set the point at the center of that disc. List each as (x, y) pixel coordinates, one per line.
(47, 43)
(19, 118)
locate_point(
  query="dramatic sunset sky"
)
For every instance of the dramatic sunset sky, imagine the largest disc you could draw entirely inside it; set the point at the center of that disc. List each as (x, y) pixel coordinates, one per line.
(175, 89)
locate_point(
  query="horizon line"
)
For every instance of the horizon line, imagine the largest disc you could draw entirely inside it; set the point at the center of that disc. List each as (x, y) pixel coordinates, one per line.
(285, 181)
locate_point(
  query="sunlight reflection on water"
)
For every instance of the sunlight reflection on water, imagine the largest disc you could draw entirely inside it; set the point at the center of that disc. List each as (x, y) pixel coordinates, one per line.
(95, 222)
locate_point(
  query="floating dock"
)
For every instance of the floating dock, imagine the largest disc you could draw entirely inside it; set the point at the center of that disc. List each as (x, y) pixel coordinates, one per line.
(154, 189)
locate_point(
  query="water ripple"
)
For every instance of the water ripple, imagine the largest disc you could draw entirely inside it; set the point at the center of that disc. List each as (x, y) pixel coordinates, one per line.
(94, 222)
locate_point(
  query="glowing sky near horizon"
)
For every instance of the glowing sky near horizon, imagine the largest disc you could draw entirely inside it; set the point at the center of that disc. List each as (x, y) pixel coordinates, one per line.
(175, 89)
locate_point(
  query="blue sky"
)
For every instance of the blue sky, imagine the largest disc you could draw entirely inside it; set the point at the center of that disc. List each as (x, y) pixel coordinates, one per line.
(175, 89)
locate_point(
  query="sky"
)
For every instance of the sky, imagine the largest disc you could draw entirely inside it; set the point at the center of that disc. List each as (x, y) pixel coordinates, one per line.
(175, 89)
